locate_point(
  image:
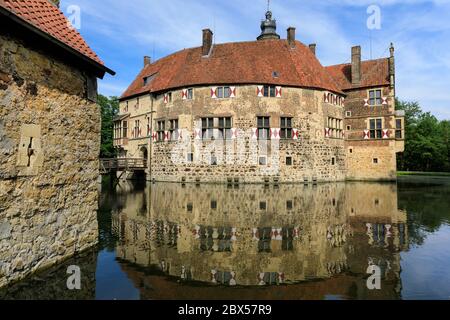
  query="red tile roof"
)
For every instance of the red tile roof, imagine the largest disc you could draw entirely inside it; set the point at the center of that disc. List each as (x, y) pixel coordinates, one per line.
(236, 63)
(373, 73)
(48, 18)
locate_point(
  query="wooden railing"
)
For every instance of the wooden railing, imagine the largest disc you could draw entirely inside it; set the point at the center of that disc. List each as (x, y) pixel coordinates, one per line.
(122, 164)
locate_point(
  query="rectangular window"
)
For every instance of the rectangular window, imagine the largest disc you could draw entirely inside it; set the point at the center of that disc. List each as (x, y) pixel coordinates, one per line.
(289, 161)
(289, 205)
(223, 92)
(190, 94)
(375, 98)
(286, 128)
(190, 157)
(336, 128)
(161, 128)
(262, 161)
(173, 130)
(398, 129)
(333, 161)
(375, 161)
(207, 128)
(137, 126)
(348, 114)
(225, 128)
(262, 205)
(263, 128)
(125, 129)
(376, 128)
(269, 91)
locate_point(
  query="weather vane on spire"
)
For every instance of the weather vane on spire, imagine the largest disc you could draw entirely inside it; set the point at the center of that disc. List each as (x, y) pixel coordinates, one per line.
(268, 5)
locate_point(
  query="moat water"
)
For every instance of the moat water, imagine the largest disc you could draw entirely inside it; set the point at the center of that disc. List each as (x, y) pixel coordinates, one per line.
(168, 241)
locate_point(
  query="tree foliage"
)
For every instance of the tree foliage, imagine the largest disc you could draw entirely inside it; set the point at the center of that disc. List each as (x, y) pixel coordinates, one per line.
(427, 146)
(109, 110)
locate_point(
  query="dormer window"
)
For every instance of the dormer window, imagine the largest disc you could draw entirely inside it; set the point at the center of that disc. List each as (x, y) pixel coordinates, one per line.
(149, 79)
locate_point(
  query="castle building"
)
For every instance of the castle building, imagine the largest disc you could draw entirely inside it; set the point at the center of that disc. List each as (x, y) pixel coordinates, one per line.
(265, 111)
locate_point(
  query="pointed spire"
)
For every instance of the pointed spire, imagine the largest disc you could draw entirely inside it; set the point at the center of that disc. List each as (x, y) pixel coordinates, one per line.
(268, 26)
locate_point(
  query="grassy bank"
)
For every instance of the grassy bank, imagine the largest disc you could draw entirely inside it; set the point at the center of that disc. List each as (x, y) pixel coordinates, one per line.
(429, 174)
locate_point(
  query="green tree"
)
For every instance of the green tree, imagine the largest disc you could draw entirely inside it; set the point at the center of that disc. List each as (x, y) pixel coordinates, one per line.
(427, 140)
(109, 110)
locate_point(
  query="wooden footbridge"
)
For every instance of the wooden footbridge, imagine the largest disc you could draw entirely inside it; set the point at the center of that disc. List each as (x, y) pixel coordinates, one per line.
(109, 166)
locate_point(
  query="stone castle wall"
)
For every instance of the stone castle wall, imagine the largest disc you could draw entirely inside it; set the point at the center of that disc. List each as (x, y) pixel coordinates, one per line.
(49, 148)
(361, 153)
(314, 156)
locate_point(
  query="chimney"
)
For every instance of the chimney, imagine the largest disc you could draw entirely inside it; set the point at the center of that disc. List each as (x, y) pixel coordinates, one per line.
(55, 3)
(392, 66)
(312, 47)
(291, 36)
(356, 65)
(147, 61)
(207, 42)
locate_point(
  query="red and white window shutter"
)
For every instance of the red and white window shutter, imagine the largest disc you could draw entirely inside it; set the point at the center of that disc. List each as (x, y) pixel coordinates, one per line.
(278, 92)
(184, 94)
(214, 92)
(260, 91)
(295, 134)
(366, 134)
(254, 133)
(327, 132)
(275, 133)
(234, 133)
(366, 102)
(386, 134)
(232, 92)
(166, 98)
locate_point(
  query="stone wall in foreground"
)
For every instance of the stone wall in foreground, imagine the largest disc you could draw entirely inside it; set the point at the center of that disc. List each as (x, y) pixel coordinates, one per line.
(49, 147)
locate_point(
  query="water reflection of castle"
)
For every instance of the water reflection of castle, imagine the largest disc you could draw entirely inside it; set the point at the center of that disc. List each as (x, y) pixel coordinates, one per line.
(251, 236)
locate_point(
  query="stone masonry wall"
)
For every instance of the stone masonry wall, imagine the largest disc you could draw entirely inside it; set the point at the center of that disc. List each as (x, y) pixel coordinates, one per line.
(49, 148)
(370, 159)
(312, 154)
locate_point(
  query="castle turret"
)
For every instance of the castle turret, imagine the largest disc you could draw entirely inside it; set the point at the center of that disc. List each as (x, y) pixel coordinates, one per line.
(268, 28)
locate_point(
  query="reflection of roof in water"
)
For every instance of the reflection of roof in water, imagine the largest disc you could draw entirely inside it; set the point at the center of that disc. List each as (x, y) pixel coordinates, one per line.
(157, 287)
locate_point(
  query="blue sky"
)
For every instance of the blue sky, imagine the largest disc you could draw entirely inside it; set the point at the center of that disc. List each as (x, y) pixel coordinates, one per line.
(122, 32)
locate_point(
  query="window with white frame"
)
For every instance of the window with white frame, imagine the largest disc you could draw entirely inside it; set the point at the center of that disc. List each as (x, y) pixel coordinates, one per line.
(269, 91)
(336, 128)
(375, 97)
(207, 128)
(161, 128)
(223, 92)
(173, 130)
(376, 128)
(225, 128)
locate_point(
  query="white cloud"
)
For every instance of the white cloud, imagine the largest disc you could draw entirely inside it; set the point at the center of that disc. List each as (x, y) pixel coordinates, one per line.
(124, 31)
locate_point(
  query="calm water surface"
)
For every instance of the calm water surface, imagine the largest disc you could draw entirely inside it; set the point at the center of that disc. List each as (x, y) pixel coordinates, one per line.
(168, 241)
